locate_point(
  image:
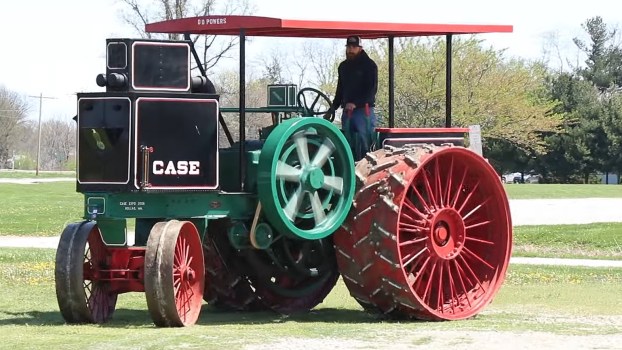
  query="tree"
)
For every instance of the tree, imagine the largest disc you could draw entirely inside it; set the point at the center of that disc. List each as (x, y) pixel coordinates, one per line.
(506, 97)
(582, 146)
(13, 110)
(138, 13)
(227, 85)
(58, 142)
(604, 56)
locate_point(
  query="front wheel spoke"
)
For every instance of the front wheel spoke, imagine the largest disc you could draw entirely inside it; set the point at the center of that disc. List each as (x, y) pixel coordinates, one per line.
(323, 153)
(293, 204)
(177, 256)
(302, 148)
(318, 209)
(334, 183)
(186, 248)
(287, 172)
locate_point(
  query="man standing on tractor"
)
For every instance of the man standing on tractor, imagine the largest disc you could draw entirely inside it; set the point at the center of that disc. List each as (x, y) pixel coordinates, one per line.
(357, 85)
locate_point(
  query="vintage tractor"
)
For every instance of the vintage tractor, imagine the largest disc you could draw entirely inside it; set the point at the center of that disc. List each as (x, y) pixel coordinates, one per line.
(418, 228)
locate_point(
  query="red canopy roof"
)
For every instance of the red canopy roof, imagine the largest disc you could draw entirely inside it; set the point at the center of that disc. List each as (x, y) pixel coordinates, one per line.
(267, 26)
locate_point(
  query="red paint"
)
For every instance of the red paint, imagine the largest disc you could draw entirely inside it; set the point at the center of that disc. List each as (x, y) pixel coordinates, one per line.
(267, 26)
(421, 130)
(123, 269)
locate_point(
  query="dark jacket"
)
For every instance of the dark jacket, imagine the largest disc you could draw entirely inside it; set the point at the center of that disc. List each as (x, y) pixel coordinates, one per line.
(357, 82)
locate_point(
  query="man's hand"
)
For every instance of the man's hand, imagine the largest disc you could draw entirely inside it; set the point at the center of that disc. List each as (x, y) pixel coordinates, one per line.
(350, 107)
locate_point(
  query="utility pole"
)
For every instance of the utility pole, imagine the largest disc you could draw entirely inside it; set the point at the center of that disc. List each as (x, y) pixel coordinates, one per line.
(41, 97)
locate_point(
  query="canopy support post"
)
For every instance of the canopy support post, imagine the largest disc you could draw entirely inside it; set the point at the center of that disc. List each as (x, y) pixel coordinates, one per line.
(391, 83)
(448, 52)
(242, 164)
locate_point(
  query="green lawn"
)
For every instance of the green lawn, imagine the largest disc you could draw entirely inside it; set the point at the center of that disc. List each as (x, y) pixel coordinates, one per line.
(22, 174)
(555, 300)
(38, 209)
(595, 241)
(554, 191)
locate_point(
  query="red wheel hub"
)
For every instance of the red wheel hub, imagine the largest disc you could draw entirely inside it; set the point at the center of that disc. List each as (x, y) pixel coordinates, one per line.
(446, 233)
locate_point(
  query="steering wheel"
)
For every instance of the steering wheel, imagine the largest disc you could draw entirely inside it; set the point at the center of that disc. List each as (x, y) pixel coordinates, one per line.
(328, 114)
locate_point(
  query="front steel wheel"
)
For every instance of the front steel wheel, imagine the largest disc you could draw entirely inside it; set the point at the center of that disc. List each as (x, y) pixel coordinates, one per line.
(174, 274)
(81, 294)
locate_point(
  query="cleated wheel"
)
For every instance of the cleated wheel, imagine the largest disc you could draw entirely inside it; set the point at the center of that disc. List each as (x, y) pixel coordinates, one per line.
(226, 288)
(174, 274)
(306, 178)
(293, 275)
(430, 236)
(81, 253)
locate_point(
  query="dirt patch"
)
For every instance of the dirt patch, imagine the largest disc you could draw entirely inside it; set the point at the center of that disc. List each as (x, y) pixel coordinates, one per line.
(454, 339)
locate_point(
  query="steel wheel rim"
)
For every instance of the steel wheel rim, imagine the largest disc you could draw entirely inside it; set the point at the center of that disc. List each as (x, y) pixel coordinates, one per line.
(448, 251)
(174, 273)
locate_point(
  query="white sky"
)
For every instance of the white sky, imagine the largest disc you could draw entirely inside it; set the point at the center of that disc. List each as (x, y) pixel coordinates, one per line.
(57, 47)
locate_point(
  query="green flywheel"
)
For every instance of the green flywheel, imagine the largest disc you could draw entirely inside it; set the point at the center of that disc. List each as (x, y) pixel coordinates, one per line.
(306, 178)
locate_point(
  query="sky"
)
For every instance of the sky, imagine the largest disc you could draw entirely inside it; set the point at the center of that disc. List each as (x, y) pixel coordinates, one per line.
(57, 48)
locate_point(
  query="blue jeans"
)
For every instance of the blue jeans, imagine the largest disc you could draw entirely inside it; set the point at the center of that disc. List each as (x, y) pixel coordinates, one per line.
(359, 128)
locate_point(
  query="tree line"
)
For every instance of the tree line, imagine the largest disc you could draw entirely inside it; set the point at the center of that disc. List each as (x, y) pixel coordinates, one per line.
(19, 137)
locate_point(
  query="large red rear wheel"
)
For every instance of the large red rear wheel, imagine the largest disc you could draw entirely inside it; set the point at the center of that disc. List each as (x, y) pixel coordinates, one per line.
(174, 274)
(430, 234)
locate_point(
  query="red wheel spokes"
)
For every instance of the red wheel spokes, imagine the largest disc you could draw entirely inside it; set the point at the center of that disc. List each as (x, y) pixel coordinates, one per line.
(183, 277)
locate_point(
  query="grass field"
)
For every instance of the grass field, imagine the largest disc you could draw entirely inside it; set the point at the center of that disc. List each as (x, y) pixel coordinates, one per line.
(594, 241)
(556, 191)
(41, 209)
(561, 301)
(23, 174)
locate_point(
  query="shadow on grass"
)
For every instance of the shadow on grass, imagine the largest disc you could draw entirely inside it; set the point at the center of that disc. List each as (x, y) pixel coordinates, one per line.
(209, 316)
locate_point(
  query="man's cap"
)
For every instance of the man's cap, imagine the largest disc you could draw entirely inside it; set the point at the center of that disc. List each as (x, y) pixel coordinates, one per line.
(353, 41)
